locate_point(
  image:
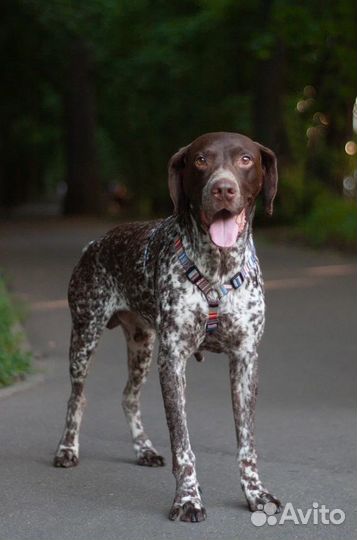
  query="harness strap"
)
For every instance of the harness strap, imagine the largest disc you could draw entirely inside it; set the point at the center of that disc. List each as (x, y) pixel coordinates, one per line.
(213, 294)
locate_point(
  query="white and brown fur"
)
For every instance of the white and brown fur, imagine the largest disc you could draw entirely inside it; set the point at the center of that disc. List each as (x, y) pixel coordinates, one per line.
(132, 277)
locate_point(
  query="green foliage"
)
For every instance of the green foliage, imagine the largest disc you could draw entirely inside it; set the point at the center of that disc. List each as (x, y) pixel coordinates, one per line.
(292, 195)
(166, 72)
(14, 361)
(331, 222)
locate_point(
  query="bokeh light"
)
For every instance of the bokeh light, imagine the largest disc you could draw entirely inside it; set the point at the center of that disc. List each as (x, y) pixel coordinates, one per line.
(320, 118)
(304, 104)
(351, 148)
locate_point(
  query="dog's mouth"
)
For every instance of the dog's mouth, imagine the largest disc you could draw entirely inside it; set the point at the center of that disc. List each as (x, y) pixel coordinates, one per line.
(226, 227)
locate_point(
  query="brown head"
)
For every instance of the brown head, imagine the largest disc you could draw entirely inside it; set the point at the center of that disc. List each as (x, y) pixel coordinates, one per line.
(217, 179)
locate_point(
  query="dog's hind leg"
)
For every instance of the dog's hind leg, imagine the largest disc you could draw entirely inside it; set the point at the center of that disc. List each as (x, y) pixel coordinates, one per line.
(140, 341)
(84, 339)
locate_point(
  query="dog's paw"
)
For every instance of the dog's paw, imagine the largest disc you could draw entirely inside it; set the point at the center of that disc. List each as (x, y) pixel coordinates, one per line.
(261, 498)
(149, 458)
(190, 511)
(66, 457)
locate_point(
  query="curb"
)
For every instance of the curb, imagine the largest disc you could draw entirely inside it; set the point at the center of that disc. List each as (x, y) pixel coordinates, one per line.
(31, 380)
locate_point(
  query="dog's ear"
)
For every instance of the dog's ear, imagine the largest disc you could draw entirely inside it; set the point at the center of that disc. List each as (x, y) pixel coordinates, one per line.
(176, 166)
(270, 177)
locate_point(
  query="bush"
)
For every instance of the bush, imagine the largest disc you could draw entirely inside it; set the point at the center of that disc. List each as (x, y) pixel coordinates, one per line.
(14, 360)
(332, 221)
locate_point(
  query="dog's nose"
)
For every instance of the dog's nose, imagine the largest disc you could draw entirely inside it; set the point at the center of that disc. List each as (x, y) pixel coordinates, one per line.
(224, 190)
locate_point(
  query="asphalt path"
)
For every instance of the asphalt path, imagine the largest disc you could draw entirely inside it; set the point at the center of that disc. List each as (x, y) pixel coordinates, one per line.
(306, 434)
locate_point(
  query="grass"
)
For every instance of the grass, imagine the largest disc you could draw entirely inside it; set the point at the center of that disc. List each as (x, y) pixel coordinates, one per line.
(15, 362)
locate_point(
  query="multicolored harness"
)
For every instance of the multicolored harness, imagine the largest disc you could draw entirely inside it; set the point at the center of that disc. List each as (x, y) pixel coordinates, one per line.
(213, 294)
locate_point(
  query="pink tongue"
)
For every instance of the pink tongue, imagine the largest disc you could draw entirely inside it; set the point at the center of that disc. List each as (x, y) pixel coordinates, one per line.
(224, 231)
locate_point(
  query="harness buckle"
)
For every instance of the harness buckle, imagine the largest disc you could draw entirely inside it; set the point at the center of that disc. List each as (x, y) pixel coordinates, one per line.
(213, 298)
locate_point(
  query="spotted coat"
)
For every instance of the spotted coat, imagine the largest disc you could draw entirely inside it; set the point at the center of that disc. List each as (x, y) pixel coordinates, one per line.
(132, 277)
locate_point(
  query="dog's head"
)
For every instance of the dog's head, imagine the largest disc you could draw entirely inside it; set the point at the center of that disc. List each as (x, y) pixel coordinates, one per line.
(217, 179)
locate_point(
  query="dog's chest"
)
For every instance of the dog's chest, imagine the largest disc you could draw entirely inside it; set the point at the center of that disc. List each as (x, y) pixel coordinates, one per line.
(240, 312)
(241, 316)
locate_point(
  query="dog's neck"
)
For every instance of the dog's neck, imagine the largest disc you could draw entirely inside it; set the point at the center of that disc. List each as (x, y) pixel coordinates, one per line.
(216, 264)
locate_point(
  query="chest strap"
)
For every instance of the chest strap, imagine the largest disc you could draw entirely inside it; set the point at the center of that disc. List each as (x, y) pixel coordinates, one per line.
(213, 294)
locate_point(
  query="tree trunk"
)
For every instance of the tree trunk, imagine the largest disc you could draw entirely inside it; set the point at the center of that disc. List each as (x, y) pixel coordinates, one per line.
(84, 193)
(268, 119)
(268, 116)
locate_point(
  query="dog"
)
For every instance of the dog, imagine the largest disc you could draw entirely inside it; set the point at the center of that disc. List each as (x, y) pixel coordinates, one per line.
(193, 280)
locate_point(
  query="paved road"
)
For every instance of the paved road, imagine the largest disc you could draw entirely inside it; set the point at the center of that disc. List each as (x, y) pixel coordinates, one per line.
(305, 418)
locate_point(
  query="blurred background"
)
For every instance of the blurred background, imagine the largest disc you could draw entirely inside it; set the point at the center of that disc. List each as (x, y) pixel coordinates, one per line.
(97, 94)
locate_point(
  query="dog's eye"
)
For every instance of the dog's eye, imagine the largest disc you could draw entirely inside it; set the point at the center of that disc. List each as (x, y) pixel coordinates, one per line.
(245, 161)
(201, 162)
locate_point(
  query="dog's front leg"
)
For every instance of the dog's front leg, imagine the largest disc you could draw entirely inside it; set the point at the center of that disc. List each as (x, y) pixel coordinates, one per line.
(244, 386)
(187, 505)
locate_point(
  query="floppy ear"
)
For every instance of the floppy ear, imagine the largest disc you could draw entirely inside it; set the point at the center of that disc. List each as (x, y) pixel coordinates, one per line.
(270, 177)
(176, 166)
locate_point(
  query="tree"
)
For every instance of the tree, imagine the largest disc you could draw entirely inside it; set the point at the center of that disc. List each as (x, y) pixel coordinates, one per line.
(116, 87)
(84, 191)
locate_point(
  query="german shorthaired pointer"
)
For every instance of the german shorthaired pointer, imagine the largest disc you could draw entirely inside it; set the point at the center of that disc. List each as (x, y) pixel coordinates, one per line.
(193, 280)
